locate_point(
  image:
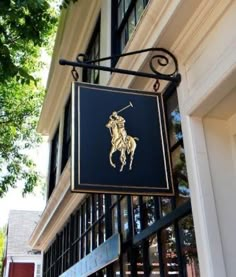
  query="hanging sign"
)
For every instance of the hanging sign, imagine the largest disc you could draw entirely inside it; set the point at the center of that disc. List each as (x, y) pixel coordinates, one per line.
(118, 142)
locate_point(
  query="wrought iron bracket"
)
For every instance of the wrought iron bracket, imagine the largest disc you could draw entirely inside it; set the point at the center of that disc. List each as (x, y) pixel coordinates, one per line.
(161, 58)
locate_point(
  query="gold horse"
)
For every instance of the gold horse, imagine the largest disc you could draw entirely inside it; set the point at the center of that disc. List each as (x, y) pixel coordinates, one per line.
(118, 144)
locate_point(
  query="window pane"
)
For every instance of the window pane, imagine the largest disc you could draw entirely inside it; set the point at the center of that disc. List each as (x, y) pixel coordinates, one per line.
(83, 218)
(188, 246)
(102, 230)
(116, 269)
(68, 237)
(114, 220)
(124, 217)
(74, 254)
(83, 246)
(153, 257)
(78, 231)
(166, 206)
(104, 271)
(89, 212)
(78, 248)
(148, 210)
(93, 53)
(131, 23)
(91, 76)
(139, 9)
(63, 241)
(59, 266)
(128, 16)
(126, 265)
(127, 3)
(123, 38)
(97, 47)
(136, 214)
(66, 134)
(139, 261)
(91, 207)
(173, 120)
(96, 76)
(101, 204)
(180, 174)
(120, 11)
(113, 198)
(89, 240)
(169, 252)
(55, 150)
(96, 235)
(96, 206)
(53, 163)
(72, 226)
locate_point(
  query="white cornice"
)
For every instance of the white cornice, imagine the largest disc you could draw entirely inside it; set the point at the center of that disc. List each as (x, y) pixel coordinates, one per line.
(197, 29)
(74, 31)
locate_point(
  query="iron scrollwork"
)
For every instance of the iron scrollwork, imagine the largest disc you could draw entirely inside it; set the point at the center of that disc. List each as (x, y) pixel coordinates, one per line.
(81, 57)
(164, 60)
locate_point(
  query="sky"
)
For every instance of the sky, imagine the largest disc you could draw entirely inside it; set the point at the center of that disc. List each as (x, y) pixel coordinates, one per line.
(35, 201)
(13, 200)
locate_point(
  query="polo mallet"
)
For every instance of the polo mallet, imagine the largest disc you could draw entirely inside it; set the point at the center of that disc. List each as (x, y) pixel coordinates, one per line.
(126, 107)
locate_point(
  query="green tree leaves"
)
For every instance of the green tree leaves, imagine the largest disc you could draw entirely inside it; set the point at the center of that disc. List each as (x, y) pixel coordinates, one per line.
(25, 27)
(19, 110)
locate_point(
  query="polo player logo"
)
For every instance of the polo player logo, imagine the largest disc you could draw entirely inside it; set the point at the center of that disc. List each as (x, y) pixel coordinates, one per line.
(120, 141)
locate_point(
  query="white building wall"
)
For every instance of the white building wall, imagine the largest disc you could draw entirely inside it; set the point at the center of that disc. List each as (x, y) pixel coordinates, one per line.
(206, 223)
(208, 78)
(223, 176)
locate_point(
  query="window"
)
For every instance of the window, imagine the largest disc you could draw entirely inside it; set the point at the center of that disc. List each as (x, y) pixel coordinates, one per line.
(53, 163)
(86, 229)
(66, 149)
(93, 53)
(177, 149)
(126, 15)
(38, 270)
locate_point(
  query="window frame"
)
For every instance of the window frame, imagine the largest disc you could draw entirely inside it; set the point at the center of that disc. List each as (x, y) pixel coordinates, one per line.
(66, 144)
(93, 53)
(53, 163)
(122, 26)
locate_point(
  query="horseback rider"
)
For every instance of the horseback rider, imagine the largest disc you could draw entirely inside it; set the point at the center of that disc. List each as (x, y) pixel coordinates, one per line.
(120, 122)
(121, 141)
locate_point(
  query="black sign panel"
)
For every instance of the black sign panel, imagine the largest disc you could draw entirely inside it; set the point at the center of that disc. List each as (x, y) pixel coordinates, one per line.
(118, 142)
